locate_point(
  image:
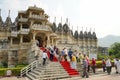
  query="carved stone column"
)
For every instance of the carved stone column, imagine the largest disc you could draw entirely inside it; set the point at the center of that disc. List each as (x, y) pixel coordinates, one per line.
(20, 26)
(21, 39)
(11, 41)
(48, 40)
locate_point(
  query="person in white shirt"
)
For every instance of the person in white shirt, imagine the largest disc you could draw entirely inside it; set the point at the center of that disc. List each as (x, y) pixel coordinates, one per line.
(44, 56)
(118, 65)
(108, 66)
(115, 62)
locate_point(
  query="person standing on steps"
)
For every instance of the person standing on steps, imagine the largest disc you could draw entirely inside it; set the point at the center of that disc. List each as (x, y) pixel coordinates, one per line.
(85, 67)
(44, 56)
(51, 54)
(73, 61)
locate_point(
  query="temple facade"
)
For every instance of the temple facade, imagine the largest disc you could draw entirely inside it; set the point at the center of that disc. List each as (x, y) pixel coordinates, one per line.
(17, 39)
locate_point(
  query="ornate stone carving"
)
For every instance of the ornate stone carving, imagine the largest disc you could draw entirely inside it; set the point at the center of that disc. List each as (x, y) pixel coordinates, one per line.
(59, 27)
(65, 28)
(76, 35)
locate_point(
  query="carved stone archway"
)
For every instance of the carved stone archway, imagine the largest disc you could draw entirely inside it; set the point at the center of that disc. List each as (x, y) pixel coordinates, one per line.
(42, 39)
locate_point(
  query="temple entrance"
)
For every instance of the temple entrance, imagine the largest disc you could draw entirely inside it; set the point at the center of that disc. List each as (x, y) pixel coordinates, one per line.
(41, 39)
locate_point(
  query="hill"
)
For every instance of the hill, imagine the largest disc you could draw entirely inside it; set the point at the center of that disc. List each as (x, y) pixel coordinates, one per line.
(108, 40)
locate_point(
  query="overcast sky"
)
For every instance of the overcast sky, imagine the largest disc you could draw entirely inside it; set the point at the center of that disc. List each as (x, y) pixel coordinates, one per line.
(103, 15)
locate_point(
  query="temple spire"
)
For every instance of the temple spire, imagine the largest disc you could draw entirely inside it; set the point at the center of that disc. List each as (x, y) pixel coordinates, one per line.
(54, 19)
(9, 13)
(66, 20)
(86, 29)
(61, 20)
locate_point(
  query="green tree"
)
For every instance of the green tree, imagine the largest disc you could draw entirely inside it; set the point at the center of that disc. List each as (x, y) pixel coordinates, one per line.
(114, 50)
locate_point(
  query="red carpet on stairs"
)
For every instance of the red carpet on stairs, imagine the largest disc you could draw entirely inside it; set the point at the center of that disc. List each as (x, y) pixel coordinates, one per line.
(48, 53)
(65, 64)
(70, 71)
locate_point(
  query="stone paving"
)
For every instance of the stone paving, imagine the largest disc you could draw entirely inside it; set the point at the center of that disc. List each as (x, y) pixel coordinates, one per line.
(98, 76)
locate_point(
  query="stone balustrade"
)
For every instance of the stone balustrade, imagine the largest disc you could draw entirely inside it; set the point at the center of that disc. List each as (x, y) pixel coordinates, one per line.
(42, 17)
(24, 31)
(14, 33)
(41, 27)
(23, 19)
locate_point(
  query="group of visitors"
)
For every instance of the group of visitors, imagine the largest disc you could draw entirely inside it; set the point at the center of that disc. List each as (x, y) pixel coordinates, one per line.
(107, 65)
(74, 56)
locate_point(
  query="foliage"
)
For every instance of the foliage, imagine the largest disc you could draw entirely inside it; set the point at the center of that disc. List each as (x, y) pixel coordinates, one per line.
(114, 50)
(101, 56)
(4, 63)
(15, 71)
(21, 64)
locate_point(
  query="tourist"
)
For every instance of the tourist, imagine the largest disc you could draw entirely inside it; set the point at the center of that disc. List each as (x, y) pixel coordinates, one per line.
(118, 65)
(56, 52)
(103, 65)
(88, 62)
(51, 53)
(85, 66)
(115, 62)
(44, 56)
(37, 42)
(81, 56)
(108, 66)
(73, 62)
(93, 65)
(70, 54)
(62, 54)
(66, 54)
(76, 55)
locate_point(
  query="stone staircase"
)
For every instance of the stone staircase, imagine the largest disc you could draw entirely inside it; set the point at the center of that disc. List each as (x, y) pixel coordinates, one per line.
(51, 71)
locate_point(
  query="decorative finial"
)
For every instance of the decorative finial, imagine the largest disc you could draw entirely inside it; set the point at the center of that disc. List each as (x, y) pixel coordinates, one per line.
(34, 5)
(86, 28)
(66, 20)
(54, 19)
(9, 13)
(77, 28)
(94, 29)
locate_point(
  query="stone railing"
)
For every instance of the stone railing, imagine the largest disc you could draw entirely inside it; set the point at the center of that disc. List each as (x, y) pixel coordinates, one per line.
(23, 19)
(42, 17)
(14, 33)
(31, 53)
(41, 27)
(14, 46)
(24, 31)
(28, 68)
